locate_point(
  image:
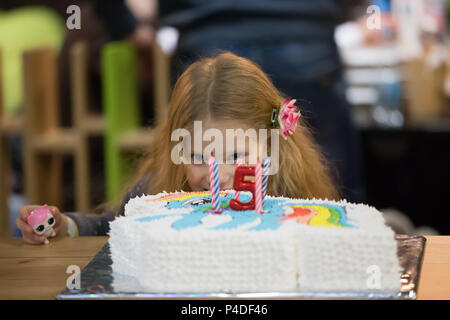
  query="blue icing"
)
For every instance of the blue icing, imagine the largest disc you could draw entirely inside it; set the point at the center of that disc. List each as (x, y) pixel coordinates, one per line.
(238, 218)
(190, 220)
(151, 218)
(275, 211)
(269, 220)
(343, 219)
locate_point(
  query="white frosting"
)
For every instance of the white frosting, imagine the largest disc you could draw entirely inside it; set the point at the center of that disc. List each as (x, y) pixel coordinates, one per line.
(293, 257)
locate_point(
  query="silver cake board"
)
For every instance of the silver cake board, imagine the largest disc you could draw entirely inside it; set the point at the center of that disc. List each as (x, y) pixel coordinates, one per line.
(98, 281)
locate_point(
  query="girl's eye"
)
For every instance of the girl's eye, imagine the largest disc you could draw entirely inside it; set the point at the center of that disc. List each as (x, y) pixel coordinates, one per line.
(236, 156)
(197, 158)
(51, 221)
(40, 228)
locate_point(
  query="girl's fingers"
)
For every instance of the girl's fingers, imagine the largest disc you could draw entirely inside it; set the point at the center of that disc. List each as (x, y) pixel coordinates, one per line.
(57, 215)
(28, 234)
(25, 211)
(33, 241)
(54, 210)
(58, 227)
(33, 238)
(23, 226)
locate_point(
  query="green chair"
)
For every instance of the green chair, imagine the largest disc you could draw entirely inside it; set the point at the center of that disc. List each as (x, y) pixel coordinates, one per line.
(23, 29)
(121, 110)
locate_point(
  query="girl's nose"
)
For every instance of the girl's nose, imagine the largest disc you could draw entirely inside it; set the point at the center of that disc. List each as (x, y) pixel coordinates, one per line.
(226, 185)
(226, 182)
(226, 177)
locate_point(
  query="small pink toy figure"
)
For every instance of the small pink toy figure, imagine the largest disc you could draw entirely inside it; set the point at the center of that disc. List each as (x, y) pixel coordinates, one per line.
(42, 222)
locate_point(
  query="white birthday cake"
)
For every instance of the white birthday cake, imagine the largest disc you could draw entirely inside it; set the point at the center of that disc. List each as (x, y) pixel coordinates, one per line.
(176, 243)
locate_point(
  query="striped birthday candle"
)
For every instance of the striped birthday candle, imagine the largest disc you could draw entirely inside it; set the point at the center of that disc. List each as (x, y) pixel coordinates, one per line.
(214, 183)
(258, 189)
(238, 163)
(265, 178)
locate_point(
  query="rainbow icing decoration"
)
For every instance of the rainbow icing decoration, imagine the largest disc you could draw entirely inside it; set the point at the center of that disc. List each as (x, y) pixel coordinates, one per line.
(276, 212)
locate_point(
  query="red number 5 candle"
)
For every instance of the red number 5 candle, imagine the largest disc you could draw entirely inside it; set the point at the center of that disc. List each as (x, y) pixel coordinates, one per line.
(241, 185)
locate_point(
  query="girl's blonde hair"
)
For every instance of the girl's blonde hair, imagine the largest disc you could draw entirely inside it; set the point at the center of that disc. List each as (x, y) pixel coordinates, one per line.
(229, 87)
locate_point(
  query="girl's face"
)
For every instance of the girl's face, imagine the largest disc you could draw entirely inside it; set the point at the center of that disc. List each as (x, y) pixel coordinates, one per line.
(198, 174)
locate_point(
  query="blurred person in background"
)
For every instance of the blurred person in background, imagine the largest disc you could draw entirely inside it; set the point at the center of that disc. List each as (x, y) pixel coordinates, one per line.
(292, 41)
(95, 36)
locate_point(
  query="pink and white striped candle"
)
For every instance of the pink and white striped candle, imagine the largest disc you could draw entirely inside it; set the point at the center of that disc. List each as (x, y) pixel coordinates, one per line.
(258, 187)
(239, 162)
(214, 184)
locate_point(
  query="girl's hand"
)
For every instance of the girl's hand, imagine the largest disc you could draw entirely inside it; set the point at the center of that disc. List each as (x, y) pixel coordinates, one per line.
(28, 234)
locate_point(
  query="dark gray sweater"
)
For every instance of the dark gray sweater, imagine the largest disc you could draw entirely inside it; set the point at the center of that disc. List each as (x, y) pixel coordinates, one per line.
(284, 37)
(98, 224)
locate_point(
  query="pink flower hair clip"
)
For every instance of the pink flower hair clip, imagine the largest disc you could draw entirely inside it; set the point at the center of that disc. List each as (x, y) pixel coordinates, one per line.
(285, 117)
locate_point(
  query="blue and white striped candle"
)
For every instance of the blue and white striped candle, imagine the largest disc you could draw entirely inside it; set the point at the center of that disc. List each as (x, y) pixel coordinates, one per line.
(214, 183)
(265, 167)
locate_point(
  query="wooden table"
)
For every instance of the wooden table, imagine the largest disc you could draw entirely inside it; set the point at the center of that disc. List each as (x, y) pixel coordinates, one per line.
(39, 272)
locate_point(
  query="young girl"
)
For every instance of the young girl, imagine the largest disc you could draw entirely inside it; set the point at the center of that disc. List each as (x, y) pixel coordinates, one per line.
(224, 92)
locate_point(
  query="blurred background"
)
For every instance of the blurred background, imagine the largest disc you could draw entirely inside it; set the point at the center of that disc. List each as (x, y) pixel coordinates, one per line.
(83, 83)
